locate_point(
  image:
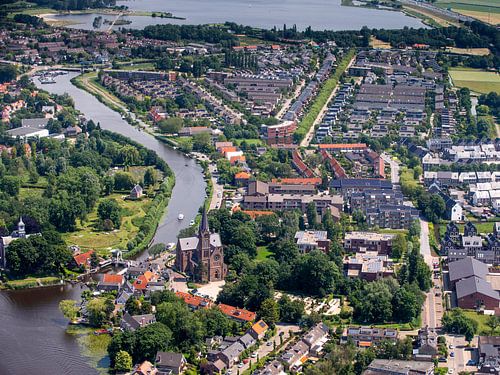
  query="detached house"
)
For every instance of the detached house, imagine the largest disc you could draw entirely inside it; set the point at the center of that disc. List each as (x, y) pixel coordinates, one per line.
(170, 363)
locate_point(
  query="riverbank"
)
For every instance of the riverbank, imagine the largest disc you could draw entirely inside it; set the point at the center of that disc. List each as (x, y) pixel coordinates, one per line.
(31, 282)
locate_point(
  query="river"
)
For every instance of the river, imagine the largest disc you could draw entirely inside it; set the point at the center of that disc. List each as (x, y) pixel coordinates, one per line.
(319, 14)
(33, 338)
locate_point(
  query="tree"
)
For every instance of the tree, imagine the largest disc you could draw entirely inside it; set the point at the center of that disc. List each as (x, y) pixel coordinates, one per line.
(8, 73)
(109, 209)
(201, 142)
(171, 125)
(123, 361)
(493, 322)
(156, 249)
(69, 309)
(99, 311)
(399, 246)
(269, 312)
(312, 215)
(150, 177)
(150, 340)
(455, 321)
(290, 311)
(124, 181)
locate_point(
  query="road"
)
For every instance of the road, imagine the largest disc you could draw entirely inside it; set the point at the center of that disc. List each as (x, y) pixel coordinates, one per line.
(394, 167)
(310, 134)
(218, 189)
(433, 307)
(288, 102)
(265, 349)
(460, 355)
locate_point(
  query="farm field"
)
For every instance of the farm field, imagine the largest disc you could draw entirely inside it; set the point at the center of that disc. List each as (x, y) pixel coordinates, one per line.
(469, 51)
(484, 10)
(476, 80)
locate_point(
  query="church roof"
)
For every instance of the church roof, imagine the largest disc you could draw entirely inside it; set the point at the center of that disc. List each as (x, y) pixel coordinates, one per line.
(204, 222)
(191, 243)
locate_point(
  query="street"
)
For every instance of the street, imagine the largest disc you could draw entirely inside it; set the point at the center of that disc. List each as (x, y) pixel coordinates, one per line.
(218, 189)
(461, 354)
(265, 349)
(433, 306)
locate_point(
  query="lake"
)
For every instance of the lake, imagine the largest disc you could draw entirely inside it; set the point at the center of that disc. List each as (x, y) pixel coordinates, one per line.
(319, 14)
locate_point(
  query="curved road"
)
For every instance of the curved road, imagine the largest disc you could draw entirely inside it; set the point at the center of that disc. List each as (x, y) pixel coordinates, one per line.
(189, 191)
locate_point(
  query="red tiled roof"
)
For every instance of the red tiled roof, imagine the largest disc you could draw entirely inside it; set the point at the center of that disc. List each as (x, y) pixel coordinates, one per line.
(235, 159)
(194, 301)
(340, 146)
(254, 214)
(298, 181)
(237, 313)
(82, 259)
(242, 176)
(142, 281)
(116, 279)
(301, 166)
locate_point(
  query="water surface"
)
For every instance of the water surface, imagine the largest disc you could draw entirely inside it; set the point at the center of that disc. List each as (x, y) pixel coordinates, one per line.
(319, 14)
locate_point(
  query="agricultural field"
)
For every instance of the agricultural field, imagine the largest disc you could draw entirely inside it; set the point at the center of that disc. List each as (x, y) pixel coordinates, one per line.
(376, 43)
(469, 51)
(484, 10)
(476, 80)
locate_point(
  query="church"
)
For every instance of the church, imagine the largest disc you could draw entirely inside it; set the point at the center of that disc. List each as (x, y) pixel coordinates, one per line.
(6, 240)
(201, 257)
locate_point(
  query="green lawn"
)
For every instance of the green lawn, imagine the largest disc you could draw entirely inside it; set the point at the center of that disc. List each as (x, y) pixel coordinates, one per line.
(263, 253)
(87, 237)
(481, 321)
(476, 5)
(249, 141)
(476, 80)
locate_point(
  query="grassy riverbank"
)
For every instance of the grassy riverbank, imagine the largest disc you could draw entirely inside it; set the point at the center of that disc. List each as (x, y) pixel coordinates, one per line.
(31, 282)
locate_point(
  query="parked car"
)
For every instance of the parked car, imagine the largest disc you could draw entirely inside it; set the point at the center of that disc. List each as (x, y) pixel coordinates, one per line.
(442, 359)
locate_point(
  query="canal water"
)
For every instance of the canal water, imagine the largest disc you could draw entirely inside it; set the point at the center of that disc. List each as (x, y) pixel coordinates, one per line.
(33, 338)
(319, 14)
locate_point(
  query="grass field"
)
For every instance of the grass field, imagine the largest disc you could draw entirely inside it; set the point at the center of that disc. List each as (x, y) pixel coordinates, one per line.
(484, 10)
(476, 80)
(481, 319)
(87, 237)
(263, 253)
(469, 51)
(376, 43)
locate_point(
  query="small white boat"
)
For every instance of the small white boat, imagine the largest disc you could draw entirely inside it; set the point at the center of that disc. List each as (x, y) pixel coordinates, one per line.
(191, 223)
(180, 217)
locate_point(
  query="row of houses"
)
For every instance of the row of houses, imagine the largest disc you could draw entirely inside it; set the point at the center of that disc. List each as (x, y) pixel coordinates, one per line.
(224, 354)
(457, 246)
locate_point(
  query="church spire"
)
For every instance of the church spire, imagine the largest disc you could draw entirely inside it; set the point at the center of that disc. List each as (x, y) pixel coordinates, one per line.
(204, 222)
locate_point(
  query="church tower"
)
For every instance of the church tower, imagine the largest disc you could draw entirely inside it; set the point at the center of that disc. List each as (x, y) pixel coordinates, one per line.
(21, 228)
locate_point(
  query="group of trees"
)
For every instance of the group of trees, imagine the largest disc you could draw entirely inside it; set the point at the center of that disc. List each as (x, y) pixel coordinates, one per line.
(176, 33)
(8, 73)
(44, 254)
(455, 321)
(177, 328)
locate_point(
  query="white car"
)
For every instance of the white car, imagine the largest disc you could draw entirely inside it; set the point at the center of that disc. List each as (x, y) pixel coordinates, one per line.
(450, 371)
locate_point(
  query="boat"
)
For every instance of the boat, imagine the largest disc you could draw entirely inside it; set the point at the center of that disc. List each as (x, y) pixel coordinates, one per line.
(191, 223)
(45, 80)
(180, 217)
